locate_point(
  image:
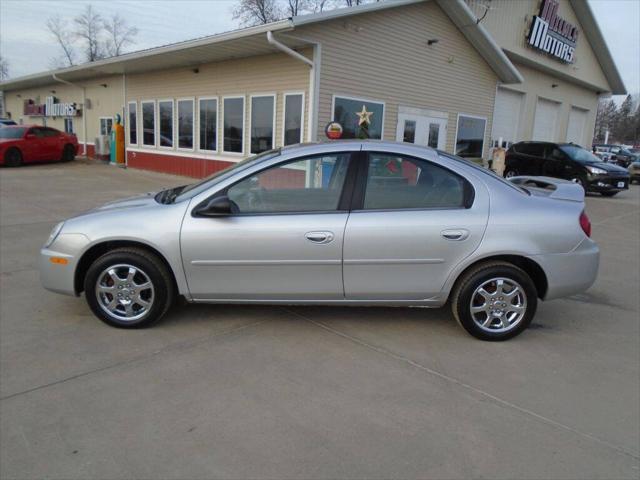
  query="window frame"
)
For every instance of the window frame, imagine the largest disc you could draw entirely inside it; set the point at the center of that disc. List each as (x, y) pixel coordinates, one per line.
(360, 99)
(284, 113)
(193, 124)
(100, 119)
(357, 205)
(344, 201)
(244, 123)
(199, 147)
(273, 121)
(173, 124)
(128, 123)
(69, 120)
(484, 132)
(155, 123)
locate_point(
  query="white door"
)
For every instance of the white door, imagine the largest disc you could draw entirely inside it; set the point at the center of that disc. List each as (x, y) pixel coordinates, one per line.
(546, 121)
(506, 116)
(422, 130)
(577, 122)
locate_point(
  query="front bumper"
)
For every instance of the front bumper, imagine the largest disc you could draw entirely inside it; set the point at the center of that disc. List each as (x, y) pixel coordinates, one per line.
(58, 262)
(606, 183)
(570, 273)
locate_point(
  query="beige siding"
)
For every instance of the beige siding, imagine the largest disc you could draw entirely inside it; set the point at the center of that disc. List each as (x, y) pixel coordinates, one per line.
(540, 85)
(105, 102)
(509, 21)
(268, 74)
(384, 56)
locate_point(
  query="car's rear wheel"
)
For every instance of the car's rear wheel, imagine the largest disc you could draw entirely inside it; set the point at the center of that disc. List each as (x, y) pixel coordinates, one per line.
(68, 153)
(609, 194)
(494, 301)
(510, 173)
(13, 157)
(129, 288)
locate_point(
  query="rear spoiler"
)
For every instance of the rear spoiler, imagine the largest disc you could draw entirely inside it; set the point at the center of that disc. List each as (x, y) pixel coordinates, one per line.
(554, 187)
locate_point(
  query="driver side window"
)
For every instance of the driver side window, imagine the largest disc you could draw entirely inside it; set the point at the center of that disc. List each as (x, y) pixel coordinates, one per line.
(312, 184)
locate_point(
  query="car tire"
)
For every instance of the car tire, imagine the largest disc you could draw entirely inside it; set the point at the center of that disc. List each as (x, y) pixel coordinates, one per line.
(13, 157)
(505, 307)
(129, 288)
(68, 153)
(511, 172)
(609, 194)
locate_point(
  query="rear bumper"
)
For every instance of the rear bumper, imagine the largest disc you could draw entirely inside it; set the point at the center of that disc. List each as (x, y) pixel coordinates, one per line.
(570, 273)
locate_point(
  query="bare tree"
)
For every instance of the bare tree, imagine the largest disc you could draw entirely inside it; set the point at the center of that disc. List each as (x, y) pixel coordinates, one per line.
(4, 68)
(318, 6)
(257, 12)
(57, 27)
(119, 34)
(89, 29)
(295, 7)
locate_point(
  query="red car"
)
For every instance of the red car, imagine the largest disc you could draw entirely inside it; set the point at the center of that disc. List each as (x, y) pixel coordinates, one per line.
(30, 144)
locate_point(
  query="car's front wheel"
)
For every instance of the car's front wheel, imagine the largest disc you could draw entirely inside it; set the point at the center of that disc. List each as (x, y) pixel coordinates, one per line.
(68, 153)
(494, 301)
(129, 288)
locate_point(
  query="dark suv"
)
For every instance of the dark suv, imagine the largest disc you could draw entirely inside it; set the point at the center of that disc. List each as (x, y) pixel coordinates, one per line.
(568, 161)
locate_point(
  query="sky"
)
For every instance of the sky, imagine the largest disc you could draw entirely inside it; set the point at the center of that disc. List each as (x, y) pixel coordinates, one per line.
(26, 45)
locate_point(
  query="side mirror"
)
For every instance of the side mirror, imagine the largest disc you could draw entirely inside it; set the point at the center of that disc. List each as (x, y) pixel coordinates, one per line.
(216, 207)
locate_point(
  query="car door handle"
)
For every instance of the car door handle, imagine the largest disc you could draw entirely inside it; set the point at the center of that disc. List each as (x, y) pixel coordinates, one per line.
(455, 234)
(319, 237)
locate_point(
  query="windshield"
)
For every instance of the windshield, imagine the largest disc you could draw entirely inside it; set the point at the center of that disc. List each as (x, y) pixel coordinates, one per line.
(579, 154)
(11, 132)
(203, 184)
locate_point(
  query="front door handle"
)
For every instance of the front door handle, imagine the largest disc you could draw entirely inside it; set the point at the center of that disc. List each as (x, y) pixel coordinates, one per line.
(455, 234)
(319, 237)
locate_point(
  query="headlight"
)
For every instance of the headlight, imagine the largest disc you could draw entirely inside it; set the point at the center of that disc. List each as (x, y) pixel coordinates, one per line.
(596, 170)
(54, 234)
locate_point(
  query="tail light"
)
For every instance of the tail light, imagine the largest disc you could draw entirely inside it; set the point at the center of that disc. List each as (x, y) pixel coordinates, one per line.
(585, 223)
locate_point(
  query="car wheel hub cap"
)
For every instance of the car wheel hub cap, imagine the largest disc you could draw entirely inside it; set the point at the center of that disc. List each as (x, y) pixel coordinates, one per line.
(498, 305)
(124, 292)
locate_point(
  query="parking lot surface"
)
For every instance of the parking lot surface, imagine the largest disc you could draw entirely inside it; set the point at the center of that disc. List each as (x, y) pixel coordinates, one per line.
(307, 392)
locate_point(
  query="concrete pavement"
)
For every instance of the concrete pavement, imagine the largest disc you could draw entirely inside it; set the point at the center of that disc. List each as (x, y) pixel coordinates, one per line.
(307, 392)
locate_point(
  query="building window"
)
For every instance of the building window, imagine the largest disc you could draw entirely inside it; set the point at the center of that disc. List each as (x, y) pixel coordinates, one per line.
(133, 123)
(165, 113)
(68, 125)
(106, 124)
(470, 136)
(262, 123)
(185, 124)
(233, 134)
(208, 122)
(359, 118)
(149, 123)
(293, 118)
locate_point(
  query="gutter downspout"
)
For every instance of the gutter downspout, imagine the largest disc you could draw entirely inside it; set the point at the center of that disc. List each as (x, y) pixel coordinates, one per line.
(84, 113)
(314, 81)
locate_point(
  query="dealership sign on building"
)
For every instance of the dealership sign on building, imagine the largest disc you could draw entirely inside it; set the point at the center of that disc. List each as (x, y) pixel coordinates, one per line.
(51, 108)
(553, 34)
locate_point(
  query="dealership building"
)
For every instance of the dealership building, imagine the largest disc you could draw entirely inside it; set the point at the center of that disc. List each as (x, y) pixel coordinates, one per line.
(453, 74)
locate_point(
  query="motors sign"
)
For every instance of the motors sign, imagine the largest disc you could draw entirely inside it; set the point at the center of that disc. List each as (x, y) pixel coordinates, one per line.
(50, 108)
(553, 34)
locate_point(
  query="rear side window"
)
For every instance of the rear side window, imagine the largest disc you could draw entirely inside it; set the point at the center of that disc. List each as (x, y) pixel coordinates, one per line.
(397, 182)
(534, 149)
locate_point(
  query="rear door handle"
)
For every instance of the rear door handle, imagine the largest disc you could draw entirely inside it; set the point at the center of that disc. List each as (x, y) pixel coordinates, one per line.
(319, 237)
(455, 234)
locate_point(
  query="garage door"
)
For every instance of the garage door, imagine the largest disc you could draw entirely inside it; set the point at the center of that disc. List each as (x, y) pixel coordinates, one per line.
(506, 116)
(546, 120)
(577, 123)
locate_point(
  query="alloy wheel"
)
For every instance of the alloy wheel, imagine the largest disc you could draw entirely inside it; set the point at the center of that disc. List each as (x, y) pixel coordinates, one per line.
(124, 292)
(498, 305)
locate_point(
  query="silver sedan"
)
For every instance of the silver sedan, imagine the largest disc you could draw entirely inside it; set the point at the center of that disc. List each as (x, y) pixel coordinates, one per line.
(342, 223)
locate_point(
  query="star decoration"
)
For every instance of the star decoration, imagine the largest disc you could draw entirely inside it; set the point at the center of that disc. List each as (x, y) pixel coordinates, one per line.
(364, 116)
